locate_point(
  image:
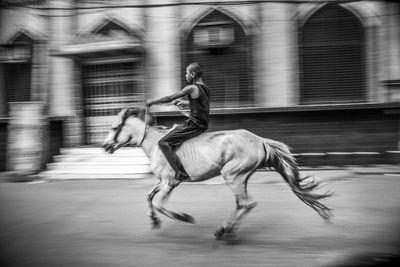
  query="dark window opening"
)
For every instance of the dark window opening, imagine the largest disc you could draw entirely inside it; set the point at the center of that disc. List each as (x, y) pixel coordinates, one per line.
(332, 44)
(220, 44)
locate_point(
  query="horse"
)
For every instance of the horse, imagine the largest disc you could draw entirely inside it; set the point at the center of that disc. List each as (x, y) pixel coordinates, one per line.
(233, 154)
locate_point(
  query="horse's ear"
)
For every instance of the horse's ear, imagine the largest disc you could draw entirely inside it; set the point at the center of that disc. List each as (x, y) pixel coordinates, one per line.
(140, 113)
(122, 112)
(132, 111)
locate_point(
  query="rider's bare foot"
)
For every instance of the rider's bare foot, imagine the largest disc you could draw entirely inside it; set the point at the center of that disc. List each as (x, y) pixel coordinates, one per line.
(182, 176)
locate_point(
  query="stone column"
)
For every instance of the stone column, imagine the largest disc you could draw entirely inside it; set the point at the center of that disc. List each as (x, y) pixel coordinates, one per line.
(277, 56)
(62, 95)
(25, 139)
(39, 72)
(2, 89)
(393, 51)
(393, 57)
(3, 101)
(61, 69)
(162, 44)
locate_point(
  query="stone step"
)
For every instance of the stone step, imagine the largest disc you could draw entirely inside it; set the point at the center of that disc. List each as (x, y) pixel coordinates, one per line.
(124, 151)
(107, 159)
(99, 169)
(51, 175)
(94, 163)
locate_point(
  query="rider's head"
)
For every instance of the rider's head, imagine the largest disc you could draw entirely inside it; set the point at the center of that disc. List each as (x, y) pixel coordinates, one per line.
(193, 72)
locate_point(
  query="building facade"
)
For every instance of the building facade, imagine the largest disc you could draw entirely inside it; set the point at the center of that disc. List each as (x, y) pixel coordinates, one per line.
(320, 76)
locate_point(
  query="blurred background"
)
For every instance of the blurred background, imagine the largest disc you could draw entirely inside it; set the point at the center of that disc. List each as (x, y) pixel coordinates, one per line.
(321, 76)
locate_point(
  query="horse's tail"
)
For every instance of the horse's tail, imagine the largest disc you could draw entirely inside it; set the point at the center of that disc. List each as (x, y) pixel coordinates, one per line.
(278, 157)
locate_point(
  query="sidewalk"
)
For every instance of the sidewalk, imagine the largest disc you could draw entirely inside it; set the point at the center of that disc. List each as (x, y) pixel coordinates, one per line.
(260, 176)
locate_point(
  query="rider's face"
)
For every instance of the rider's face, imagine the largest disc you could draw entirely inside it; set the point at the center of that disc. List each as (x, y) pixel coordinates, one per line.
(189, 75)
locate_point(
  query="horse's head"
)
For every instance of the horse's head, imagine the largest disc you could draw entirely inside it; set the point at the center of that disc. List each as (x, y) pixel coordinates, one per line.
(129, 128)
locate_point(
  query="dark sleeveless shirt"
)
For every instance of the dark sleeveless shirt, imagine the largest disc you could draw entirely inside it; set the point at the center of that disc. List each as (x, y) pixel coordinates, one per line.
(200, 107)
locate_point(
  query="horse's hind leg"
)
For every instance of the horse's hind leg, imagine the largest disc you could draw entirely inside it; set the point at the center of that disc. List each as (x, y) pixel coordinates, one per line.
(150, 195)
(243, 206)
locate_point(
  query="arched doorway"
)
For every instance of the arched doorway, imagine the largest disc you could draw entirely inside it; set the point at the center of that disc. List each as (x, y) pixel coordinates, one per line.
(111, 78)
(332, 57)
(221, 45)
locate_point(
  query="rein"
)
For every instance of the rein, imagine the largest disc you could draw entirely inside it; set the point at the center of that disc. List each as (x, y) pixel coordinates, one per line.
(146, 127)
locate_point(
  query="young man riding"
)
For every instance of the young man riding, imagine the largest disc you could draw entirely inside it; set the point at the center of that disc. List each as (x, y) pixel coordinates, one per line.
(199, 103)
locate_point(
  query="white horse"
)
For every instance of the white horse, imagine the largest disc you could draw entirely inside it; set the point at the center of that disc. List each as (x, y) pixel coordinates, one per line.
(233, 154)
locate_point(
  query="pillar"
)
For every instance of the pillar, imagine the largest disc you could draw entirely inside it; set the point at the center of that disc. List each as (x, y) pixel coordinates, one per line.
(277, 56)
(162, 44)
(63, 99)
(392, 51)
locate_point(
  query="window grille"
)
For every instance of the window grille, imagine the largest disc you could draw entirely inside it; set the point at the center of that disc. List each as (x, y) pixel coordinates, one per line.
(107, 88)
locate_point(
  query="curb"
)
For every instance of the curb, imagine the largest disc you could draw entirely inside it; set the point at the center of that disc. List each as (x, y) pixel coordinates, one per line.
(18, 177)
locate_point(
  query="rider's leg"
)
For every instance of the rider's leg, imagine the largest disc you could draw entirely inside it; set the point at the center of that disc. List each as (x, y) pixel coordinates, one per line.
(173, 160)
(172, 140)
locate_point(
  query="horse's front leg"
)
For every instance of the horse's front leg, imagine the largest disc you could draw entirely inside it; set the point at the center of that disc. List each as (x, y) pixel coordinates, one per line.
(150, 195)
(165, 192)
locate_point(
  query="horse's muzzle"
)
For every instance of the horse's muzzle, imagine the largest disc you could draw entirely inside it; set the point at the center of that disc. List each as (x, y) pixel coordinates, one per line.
(110, 147)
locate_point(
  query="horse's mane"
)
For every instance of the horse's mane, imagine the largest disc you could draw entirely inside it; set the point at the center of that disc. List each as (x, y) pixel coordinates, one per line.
(141, 114)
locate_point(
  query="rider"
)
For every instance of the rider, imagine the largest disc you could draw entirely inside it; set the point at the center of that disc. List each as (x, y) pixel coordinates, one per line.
(199, 103)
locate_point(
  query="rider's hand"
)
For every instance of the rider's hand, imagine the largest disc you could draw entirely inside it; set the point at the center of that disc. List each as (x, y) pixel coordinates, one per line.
(178, 103)
(149, 103)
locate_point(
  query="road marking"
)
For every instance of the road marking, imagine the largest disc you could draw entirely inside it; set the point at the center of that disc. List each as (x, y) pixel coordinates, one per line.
(392, 174)
(37, 182)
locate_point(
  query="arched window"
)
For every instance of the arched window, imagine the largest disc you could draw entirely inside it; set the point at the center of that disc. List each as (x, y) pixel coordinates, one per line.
(220, 44)
(111, 30)
(332, 57)
(16, 57)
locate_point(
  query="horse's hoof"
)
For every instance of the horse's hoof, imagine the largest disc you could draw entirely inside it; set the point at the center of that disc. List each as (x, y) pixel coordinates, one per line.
(230, 235)
(187, 218)
(219, 233)
(156, 223)
(224, 234)
(156, 226)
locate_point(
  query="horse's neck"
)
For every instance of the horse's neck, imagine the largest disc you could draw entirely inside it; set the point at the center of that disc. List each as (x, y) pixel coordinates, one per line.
(151, 141)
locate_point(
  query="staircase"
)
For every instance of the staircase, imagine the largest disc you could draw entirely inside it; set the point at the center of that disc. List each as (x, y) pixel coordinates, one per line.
(94, 163)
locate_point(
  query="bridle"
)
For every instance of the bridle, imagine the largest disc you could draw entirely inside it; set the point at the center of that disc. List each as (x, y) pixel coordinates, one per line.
(146, 126)
(122, 124)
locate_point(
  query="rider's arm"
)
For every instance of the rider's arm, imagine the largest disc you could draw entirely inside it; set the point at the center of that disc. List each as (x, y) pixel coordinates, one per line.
(166, 99)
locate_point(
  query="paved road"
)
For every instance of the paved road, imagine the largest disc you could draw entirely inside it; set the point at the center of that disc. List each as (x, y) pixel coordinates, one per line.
(104, 223)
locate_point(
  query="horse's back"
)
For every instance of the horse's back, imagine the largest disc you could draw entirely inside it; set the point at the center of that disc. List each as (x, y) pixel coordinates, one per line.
(231, 151)
(233, 136)
(223, 144)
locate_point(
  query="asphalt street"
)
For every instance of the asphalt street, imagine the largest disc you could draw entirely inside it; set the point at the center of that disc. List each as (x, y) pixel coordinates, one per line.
(104, 223)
